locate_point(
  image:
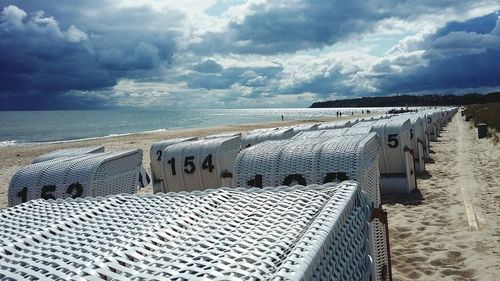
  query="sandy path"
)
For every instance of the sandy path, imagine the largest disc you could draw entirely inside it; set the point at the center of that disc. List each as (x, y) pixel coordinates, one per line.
(429, 230)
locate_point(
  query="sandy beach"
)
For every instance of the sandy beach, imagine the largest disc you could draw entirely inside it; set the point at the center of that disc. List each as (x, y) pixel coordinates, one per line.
(433, 235)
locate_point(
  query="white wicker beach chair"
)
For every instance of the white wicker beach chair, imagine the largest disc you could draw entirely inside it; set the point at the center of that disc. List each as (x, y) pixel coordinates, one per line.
(320, 134)
(417, 139)
(94, 174)
(396, 164)
(201, 164)
(433, 128)
(305, 128)
(285, 233)
(223, 135)
(311, 161)
(156, 155)
(69, 152)
(258, 136)
(337, 125)
(333, 157)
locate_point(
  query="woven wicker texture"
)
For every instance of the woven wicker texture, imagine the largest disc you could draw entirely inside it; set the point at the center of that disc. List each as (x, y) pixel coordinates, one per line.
(379, 251)
(287, 233)
(321, 134)
(69, 152)
(258, 136)
(305, 128)
(224, 135)
(311, 161)
(201, 164)
(156, 154)
(316, 160)
(337, 125)
(94, 174)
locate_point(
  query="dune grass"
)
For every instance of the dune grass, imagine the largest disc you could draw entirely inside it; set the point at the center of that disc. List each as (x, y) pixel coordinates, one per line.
(488, 113)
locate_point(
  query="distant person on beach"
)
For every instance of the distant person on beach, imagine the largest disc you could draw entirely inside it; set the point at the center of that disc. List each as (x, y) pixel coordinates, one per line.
(340, 114)
(282, 117)
(362, 112)
(337, 114)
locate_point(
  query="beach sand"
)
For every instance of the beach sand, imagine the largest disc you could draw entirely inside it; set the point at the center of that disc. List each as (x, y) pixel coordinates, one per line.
(430, 234)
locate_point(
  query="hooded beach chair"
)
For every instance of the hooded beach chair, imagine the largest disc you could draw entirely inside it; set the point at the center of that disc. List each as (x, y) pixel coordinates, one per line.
(68, 152)
(275, 233)
(200, 164)
(93, 174)
(329, 157)
(261, 135)
(156, 154)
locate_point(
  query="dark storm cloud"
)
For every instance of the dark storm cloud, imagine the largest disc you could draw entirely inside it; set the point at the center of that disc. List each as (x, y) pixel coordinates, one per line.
(275, 27)
(208, 66)
(42, 60)
(460, 55)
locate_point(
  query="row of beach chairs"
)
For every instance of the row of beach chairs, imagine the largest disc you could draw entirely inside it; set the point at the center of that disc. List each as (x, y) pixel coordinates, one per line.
(285, 207)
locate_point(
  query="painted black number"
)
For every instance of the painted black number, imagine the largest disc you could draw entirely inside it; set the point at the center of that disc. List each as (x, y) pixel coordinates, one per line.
(159, 155)
(23, 194)
(256, 182)
(342, 176)
(393, 140)
(189, 167)
(172, 165)
(207, 164)
(47, 192)
(75, 189)
(294, 178)
(330, 177)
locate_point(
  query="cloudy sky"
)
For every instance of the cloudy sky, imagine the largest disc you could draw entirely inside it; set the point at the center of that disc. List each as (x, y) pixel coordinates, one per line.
(237, 54)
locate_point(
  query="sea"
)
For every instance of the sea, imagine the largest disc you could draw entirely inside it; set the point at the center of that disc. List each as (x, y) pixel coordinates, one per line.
(33, 127)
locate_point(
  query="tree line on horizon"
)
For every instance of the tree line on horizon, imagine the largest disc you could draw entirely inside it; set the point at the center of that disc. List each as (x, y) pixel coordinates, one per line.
(412, 100)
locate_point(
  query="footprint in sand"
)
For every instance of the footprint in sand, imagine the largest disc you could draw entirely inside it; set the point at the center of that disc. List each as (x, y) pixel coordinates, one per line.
(465, 274)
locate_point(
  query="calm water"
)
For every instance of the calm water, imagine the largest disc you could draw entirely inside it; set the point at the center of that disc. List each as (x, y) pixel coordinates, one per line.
(21, 127)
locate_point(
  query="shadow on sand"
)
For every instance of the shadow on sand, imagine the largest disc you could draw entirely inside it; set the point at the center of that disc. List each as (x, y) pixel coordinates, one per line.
(425, 175)
(414, 198)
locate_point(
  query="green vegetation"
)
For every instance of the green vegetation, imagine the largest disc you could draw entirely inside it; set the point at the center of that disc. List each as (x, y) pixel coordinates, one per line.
(409, 100)
(488, 113)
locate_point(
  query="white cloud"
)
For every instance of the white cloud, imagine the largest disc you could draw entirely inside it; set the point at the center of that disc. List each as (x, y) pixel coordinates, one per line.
(75, 35)
(13, 16)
